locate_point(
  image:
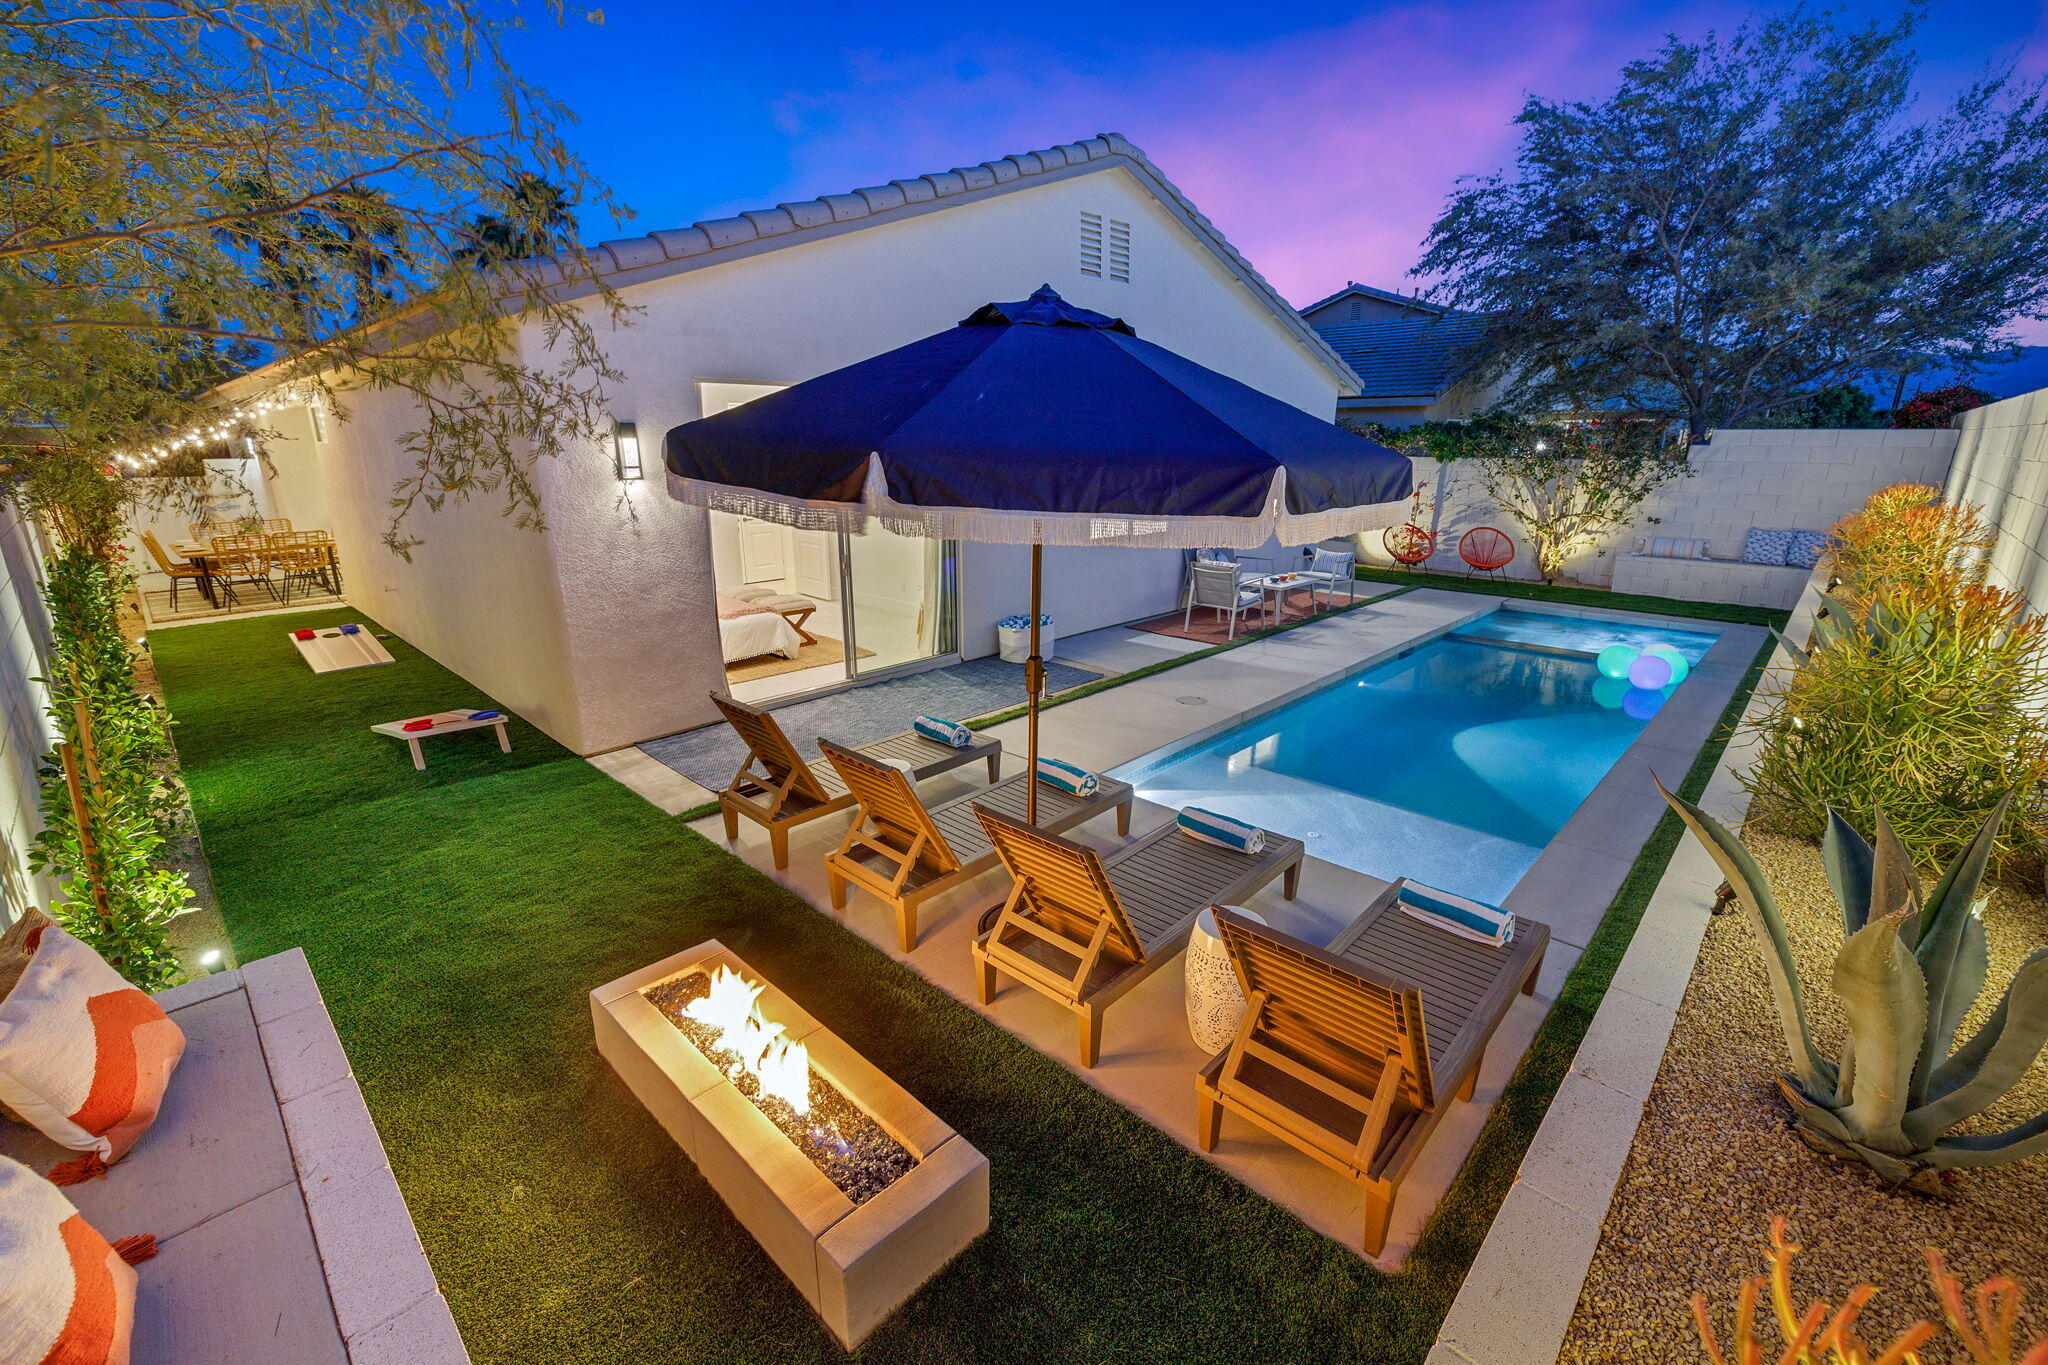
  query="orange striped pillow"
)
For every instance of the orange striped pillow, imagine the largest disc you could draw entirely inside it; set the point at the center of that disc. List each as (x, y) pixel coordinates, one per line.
(84, 1056)
(66, 1296)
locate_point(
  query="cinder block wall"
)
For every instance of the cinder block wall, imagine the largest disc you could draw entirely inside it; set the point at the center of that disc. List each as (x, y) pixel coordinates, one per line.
(2001, 465)
(1805, 480)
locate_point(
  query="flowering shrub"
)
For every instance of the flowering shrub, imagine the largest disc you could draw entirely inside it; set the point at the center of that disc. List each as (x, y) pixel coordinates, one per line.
(1939, 407)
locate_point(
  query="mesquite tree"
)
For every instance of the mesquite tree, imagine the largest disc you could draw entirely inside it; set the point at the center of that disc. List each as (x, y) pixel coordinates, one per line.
(1749, 219)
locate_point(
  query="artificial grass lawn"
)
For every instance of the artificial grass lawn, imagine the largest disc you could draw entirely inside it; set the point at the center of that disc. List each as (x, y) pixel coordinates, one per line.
(457, 918)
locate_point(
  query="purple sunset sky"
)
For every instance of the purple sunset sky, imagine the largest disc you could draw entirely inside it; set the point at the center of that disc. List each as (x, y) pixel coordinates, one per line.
(1322, 139)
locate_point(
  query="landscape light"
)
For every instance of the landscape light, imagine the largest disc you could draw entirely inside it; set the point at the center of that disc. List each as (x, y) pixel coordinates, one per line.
(626, 451)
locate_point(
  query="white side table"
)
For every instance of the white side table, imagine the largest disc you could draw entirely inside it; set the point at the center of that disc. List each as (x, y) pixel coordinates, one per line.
(1215, 1004)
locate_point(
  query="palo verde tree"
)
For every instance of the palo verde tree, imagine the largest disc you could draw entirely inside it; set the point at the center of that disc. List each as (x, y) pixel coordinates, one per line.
(1571, 484)
(188, 190)
(192, 189)
(1750, 219)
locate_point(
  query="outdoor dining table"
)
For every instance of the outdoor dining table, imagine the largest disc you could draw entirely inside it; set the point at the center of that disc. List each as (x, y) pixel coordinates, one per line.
(199, 554)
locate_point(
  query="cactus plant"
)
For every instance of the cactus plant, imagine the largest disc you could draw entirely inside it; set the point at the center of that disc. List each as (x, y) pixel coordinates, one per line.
(1911, 966)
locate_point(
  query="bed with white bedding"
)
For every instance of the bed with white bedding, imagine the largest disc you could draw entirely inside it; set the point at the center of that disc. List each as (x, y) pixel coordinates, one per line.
(754, 633)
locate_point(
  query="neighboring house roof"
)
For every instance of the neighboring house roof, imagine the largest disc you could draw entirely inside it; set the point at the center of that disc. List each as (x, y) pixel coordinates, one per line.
(1365, 291)
(636, 260)
(1414, 361)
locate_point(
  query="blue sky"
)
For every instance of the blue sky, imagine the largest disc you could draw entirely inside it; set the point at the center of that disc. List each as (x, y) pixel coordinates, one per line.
(1322, 138)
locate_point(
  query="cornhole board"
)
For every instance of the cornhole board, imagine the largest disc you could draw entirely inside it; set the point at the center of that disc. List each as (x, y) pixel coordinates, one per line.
(330, 650)
(445, 723)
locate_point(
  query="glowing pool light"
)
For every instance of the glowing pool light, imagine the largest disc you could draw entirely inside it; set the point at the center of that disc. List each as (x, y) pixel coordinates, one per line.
(1608, 692)
(1650, 672)
(1679, 666)
(1641, 703)
(1614, 661)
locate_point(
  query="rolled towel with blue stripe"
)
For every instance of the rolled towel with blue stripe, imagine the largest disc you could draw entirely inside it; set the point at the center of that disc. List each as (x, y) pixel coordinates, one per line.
(1221, 830)
(944, 731)
(1460, 915)
(1067, 777)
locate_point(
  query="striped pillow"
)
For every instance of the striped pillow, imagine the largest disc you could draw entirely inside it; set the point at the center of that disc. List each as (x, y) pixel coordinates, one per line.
(1067, 777)
(1672, 547)
(66, 1296)
(1461, 915)
(84, 1056)
(944, 731)
(1212, 828)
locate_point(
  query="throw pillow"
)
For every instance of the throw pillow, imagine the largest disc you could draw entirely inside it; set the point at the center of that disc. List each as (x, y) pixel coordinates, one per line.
(84, 1056)
(66, 1294)
(1764, 546)
(1336, 563)
(1807, 548)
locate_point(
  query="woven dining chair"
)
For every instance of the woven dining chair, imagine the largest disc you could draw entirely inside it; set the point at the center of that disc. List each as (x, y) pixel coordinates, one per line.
(243, 560)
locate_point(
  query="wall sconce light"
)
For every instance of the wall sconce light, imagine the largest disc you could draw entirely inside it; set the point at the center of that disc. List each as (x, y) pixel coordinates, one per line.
(626, 451)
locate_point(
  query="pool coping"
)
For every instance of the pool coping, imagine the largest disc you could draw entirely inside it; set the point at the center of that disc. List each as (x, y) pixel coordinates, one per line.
(1581, 868)
(1522, 1290)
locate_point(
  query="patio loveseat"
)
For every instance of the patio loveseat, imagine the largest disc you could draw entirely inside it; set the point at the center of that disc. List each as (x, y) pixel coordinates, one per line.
(281, 1232)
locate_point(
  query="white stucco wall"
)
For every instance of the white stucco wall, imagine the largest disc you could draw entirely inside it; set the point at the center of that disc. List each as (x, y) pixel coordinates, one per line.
(2001, 465)
(603, 631)
(24, 730)
(1782, 479)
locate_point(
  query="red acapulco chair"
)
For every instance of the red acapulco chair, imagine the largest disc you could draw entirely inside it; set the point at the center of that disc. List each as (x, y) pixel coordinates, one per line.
(1409, 544)
(1487, 549)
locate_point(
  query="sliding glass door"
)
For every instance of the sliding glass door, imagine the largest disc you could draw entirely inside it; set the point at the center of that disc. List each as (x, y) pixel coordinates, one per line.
(898, 595)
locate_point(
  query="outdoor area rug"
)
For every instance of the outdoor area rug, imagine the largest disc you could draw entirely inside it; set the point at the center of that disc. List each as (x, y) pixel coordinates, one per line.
(709, 756)
(1213, 627)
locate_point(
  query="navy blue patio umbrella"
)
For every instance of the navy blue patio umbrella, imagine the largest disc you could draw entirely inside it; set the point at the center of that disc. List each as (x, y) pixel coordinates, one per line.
(1039, 423)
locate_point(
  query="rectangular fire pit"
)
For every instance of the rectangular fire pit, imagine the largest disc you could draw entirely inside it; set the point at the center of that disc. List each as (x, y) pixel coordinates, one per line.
(858, 1192)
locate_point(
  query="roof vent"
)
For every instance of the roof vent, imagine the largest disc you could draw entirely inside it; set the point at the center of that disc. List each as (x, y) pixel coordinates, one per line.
(1105, 247)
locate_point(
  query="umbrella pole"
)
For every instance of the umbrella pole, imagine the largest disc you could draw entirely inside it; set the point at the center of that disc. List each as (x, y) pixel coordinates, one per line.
(1034, 687)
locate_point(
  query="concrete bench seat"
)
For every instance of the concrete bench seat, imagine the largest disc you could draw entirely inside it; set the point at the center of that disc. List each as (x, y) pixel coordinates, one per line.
(1710, 580)
(282, 1235)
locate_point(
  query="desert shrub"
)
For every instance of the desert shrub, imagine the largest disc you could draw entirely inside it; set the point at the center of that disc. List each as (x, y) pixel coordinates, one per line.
(1923, 696)
(1905, 533)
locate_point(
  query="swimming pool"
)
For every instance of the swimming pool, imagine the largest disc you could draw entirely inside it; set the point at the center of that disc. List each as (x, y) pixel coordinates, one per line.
(1454, 763)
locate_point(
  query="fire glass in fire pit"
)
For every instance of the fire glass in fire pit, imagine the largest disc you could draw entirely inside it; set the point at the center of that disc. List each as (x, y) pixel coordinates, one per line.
(720, 1014)
(857, 1192)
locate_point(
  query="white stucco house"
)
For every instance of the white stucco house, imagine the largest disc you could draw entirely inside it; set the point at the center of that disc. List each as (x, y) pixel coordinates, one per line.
(603, 629)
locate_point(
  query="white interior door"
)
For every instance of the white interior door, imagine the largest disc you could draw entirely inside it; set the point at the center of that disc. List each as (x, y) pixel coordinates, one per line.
(817, 564)
(761, 550)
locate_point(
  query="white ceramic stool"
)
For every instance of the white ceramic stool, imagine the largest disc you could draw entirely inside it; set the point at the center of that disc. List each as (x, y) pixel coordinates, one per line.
(1215, 1004)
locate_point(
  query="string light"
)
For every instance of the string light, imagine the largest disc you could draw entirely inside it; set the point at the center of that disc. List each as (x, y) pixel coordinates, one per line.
(214, 430)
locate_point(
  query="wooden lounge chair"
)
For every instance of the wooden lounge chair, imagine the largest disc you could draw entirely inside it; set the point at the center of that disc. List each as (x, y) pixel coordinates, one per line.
(1349, 1054)
(1083, 930)
(777, 789)
(905, 853)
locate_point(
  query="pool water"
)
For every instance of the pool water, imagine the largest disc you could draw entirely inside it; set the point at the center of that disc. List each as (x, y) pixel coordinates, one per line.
(1453, 765)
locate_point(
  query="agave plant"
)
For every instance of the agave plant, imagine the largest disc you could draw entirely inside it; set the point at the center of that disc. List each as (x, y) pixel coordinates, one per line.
(1910, 968)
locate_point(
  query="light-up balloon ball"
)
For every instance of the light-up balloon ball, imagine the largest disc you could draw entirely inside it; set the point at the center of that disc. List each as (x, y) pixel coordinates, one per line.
(1614, 661)
(1679, 667)
(1641, 703)
(1649, 671)
(1608, 692)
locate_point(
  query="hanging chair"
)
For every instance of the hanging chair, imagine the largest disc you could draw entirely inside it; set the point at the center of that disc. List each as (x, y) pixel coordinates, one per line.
(1409, 544)
(1487, 549)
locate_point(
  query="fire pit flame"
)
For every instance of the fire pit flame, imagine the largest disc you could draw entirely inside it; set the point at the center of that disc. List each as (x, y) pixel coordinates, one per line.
(732, 1011)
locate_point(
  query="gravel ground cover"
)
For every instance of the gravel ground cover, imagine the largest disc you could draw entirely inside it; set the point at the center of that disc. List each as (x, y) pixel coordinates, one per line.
(1714, 1161)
